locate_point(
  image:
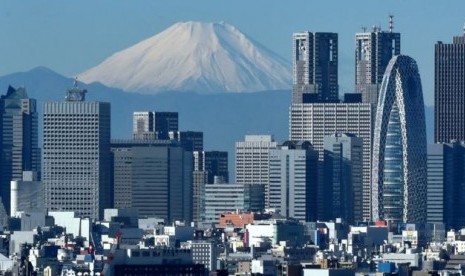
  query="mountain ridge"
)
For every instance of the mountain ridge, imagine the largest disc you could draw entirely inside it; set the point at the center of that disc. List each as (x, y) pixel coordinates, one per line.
(194, 57)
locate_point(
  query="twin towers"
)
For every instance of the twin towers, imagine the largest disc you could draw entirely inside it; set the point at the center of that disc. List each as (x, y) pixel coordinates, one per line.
(394, 133)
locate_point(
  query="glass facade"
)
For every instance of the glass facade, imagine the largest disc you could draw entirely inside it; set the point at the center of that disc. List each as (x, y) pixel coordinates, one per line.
(399, 146)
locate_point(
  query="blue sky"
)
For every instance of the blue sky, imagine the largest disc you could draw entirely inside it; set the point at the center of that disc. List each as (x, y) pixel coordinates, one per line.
(72, 36)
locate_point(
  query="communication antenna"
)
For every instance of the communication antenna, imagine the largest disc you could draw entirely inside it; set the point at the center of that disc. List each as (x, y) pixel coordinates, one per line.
(75, 83)
(464, 29)
(391, 23)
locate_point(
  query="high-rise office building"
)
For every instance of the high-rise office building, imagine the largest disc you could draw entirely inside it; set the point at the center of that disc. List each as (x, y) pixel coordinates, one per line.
(190, 140)
(253, 160)
(312, 122)
(223, 198)
(373, 51)
(27, 194)
(399, 146)
(449, 91)
(315, 57)
(210, 167)
(294, 180)
(76, 155)
(19, 139)
(446, 194)
(153, 177)
(343, 175)
(143, 125)
(164, 122)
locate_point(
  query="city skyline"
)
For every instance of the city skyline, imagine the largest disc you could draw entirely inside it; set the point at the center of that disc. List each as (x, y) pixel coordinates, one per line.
(24, 23)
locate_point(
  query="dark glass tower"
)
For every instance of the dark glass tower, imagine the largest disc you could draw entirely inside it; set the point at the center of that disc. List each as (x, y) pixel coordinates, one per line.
(315, 67)
(19, 146)
(373, 51)
(449, 91)
(399, 146)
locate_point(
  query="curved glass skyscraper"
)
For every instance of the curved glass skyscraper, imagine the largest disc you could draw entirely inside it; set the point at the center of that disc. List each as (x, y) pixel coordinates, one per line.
(399, 146)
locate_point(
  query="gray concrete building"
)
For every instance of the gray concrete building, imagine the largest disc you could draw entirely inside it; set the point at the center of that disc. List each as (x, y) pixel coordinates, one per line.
(223, 198)
(294, 180)
(76, 155)
(153, 177)
(252, 160)
(312, 122)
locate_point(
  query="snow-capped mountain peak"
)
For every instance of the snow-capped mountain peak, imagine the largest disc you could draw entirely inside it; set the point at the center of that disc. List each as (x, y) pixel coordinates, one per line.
(194, 56)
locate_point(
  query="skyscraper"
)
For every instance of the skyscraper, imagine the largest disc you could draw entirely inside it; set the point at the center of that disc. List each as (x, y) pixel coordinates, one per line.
(76, 155)
(373, 51)
(164, 122)
(253, 160)
(399, 146)
(19, 139)
(343, 175)
(449, 91)
(153, 177)
(315, 57)
(143, 125)
(446, 192)
(312, 122)
(294, 180)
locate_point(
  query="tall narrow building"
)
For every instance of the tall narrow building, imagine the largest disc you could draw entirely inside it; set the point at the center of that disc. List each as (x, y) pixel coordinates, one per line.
(76, 155)
(446, 192)
(399, 146)
(449, 90)
(19, 139)
(373, 51)
(294, 180)
(315, 57)
(343, 176)
(253, 161)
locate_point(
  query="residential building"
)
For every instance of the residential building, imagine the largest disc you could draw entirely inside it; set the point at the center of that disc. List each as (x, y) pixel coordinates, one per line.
(449, 91)
(399, 146)
(76, 155)
(315, 57)
(294, 180)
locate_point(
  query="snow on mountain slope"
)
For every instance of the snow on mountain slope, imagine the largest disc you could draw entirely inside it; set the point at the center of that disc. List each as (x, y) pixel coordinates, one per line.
(194, 56)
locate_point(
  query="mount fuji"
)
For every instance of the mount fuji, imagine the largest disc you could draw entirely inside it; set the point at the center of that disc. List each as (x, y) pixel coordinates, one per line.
(194, 57)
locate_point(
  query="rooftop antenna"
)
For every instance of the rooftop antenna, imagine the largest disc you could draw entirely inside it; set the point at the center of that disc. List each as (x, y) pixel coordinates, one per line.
(464, 29)
(391, 23)
(364, 29)
(75, 83)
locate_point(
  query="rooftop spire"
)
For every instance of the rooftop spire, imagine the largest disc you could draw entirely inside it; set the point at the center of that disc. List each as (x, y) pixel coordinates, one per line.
(391, 23)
